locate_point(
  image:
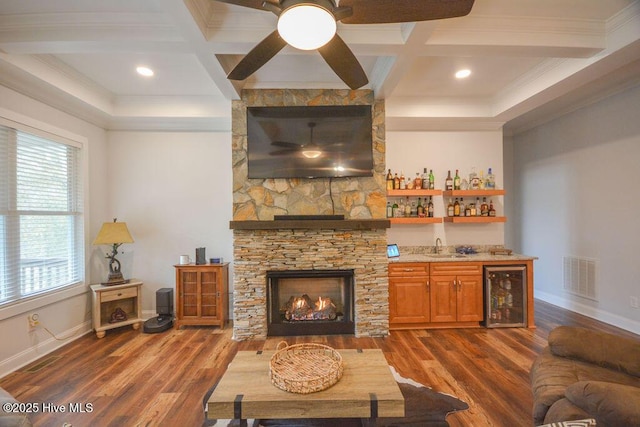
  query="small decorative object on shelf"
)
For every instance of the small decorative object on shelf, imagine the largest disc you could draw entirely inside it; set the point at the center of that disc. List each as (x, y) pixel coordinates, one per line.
(118, 315)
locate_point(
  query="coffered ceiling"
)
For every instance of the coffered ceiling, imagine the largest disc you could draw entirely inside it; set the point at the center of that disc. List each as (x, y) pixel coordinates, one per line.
(529, 61)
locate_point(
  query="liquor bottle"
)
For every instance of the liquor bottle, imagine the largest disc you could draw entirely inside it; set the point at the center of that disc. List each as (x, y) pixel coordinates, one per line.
(430, 207)
(432, 180)
(389, 210)
(478, 207)
(396, 182)
(456, 208)
(490, 181)
(425, 179)
(420, 209)
(474, 181)
(450, 208)
(473, 211)
(417, 182)
(401, 208)
(467, 210)
(448, 183)
(407, 208)
(394, 208)
(389, 180)
(492, 211)
(484, 208)
(481, 177)
(403, 183)
(462, 207)
(456, 181)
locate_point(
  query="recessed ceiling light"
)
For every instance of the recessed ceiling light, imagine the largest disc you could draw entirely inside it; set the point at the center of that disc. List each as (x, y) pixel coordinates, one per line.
(463, 74)
(145, 71)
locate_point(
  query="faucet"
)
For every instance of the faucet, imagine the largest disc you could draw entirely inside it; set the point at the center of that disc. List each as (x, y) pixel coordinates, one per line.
(438, 245)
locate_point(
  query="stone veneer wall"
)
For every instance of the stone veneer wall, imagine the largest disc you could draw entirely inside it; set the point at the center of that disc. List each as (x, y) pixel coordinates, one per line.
(256, 252)
(261, 199)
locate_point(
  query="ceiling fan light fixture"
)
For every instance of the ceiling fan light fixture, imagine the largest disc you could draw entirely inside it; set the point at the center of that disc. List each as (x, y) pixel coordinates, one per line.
(312, 154)
(307, 26)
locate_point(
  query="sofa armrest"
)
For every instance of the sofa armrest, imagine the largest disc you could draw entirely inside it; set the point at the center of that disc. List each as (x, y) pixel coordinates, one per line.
(607, 350)
(610, 404)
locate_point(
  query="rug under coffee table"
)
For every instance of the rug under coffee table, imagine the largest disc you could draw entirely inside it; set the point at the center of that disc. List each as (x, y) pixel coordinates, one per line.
(367, 389)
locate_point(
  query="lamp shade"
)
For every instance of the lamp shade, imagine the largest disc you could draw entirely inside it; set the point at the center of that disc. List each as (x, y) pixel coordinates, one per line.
(113, 233)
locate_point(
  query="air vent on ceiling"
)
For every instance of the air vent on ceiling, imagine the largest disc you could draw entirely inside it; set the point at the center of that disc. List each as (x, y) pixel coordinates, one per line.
(580, 276)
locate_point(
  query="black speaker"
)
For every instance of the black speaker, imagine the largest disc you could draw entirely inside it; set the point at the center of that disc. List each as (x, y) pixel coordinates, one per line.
(164, 301)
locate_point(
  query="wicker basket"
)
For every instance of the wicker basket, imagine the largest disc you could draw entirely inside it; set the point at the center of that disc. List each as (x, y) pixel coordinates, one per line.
(305, 368)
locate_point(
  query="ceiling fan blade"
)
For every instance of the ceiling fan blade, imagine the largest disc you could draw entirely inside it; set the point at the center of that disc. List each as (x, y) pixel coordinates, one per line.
(343, 62)
(393, 11)
(258, 56)
(253, 4)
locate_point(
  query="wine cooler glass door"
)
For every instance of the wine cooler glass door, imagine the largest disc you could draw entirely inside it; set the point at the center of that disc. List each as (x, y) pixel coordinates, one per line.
(505, 296)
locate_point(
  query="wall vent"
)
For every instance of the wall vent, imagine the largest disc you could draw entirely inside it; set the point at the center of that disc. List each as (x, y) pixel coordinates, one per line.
(580, 276)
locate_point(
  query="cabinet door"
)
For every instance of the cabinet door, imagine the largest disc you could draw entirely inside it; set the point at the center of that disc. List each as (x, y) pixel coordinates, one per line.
(470, 299)
(443, 299)
(408, 300)
(189, 293)
(210, 294)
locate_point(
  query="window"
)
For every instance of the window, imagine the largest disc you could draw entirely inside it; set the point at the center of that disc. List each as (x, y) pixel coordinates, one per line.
(41, 219)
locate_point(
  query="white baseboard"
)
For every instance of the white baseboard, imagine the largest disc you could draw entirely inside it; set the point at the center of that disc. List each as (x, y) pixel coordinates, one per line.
(42, 348)
(595, 313)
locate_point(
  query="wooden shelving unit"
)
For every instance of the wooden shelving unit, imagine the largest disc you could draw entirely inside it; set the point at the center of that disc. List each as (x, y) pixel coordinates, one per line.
(474, 219)
(413, 193)
(414, 220)
(473, 193)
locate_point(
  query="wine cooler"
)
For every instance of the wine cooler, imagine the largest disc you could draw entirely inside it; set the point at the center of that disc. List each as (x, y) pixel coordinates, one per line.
(505, 296)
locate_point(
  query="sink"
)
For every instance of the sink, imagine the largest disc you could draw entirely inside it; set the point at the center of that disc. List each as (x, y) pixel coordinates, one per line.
(446, 255)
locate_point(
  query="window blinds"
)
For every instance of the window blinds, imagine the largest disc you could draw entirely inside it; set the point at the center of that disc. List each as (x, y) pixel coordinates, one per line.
(41, 218)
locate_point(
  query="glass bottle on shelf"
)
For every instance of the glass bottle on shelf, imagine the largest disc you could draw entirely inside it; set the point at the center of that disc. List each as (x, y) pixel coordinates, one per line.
(432, 180)
(389, 210)
(389, 180)
(425, 179)
(450, 208)
(478, 207)
(456, 181)
(490, 181)
(456, 208)
(484, 207)
(394, 208)
(396, 182)
(492, 211)
(401, 208)
(421, 213)
(474, 181)
(403, 183)
(407, 208)
(430, 207)
(448, 182)
(462, 207)
(417, 182)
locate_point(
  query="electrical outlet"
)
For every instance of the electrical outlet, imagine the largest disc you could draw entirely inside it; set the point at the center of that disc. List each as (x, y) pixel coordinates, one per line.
(633, 302)
(34, 320)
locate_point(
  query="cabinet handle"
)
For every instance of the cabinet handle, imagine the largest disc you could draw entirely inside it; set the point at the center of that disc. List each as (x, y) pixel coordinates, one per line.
(409, 270)
(428, 285)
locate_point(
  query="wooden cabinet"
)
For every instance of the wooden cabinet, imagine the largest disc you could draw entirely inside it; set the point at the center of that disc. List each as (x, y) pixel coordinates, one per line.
(408, 294)
(202, 294)
(116, 306)
(456, 293)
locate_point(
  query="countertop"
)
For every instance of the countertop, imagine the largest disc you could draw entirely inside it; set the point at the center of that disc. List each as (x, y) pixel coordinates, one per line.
(454, 257)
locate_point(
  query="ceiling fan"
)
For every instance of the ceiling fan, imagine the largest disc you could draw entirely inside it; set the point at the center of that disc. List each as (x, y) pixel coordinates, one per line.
(315, 22)
(311, 150)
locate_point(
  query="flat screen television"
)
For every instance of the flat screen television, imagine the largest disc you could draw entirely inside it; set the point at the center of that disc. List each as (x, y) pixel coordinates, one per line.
(309, 141)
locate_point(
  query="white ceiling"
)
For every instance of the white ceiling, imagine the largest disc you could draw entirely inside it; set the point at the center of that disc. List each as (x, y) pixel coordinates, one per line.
(530, 61)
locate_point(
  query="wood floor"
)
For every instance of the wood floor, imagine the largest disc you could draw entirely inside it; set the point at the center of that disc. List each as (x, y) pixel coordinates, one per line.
(134, 379)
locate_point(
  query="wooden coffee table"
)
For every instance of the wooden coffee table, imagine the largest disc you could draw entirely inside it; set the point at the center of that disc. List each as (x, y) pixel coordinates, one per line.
(367, 389)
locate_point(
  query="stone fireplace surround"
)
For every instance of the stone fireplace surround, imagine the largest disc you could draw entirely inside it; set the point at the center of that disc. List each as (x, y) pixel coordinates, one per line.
(262, 244)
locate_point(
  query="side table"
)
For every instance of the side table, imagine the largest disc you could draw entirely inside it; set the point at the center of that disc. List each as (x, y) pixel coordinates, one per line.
(110, 302)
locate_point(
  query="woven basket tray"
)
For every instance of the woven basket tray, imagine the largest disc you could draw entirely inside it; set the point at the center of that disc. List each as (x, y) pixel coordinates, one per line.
(305, 368)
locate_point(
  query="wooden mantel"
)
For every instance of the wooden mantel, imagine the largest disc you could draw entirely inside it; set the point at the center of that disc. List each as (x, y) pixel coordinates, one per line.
(323, 224)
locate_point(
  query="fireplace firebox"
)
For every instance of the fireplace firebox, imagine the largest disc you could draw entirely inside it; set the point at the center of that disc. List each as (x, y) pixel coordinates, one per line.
(310, 302)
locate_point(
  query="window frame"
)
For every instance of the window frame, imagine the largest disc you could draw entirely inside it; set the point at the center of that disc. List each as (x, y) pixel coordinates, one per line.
(35, 127)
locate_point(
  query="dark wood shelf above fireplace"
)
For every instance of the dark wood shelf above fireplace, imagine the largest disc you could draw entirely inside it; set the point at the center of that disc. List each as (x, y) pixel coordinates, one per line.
(345, 224)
